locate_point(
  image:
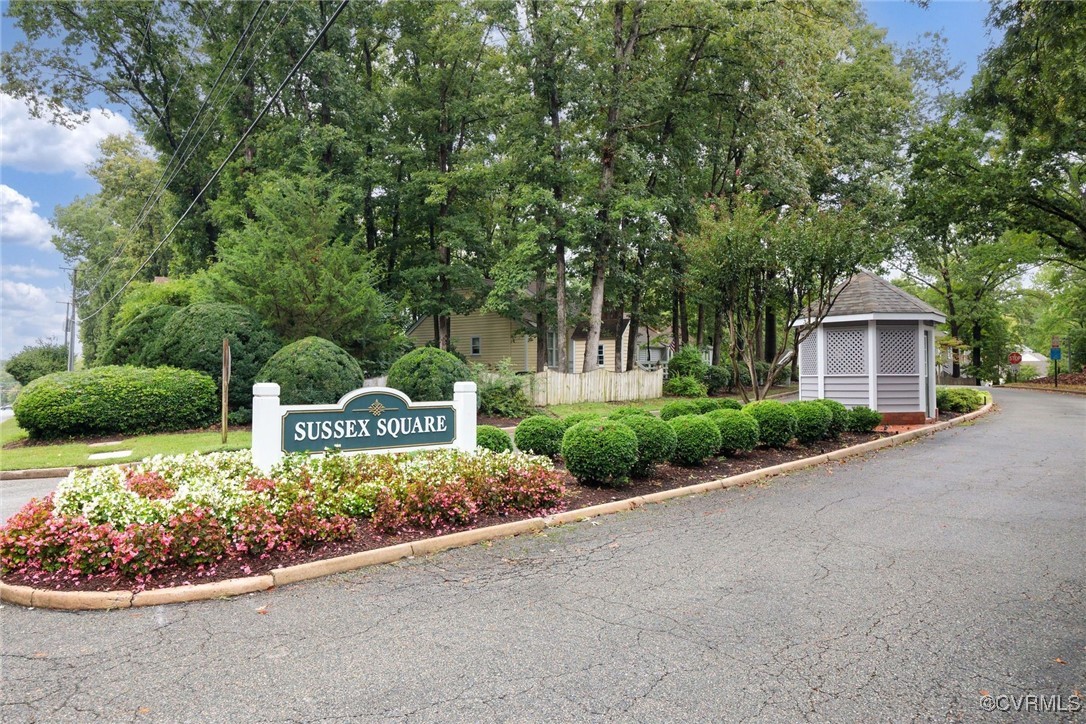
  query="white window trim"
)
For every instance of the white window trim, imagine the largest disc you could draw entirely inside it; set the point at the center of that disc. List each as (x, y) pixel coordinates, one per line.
(601, 355)
(473, 341)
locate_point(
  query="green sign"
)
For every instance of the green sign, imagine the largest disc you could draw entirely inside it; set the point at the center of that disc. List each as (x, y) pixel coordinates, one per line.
(380, 420)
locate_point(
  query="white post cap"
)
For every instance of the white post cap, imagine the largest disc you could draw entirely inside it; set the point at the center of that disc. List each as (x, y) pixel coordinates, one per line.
(266, 389)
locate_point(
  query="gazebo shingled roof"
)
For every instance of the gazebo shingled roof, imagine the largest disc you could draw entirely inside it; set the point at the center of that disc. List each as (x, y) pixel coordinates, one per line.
(866, 293)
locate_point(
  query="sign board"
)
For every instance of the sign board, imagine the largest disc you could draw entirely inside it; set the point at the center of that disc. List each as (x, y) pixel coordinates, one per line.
(370, 419)
(1014, 358)
(1055, 353)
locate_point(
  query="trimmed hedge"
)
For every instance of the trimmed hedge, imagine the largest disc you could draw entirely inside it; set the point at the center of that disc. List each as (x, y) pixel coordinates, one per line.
(863, 419)
(738, 431)
(776, 421)
(109, 400)
(312, 371)
(539, 435)
(684, 387)
(627, 411)
(655, 442)
(838, 417)
(578, 417)
(192, 340)
(140, 341)
(812, 421)
(696, 439)
(677, 409)
(717, 378)
(706, 404)
(600, 452)
(687, 362)
(959, 399)
(492, 438)
(427, 374)
(727, 403)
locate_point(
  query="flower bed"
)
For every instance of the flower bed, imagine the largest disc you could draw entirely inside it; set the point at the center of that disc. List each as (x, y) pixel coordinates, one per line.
(170, 520)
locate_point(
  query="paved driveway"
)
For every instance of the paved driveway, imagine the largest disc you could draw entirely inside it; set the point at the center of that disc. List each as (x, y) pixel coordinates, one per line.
(897, 587)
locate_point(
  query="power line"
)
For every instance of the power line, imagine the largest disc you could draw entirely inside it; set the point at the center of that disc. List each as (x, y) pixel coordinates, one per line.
(267, 106)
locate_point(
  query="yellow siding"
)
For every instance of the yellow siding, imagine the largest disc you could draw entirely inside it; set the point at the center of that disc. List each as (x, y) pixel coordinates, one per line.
(496, 333)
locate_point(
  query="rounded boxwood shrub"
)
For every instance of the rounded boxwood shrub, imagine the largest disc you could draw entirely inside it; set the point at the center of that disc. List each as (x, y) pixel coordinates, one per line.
(109, 400)
(863, 419)
(706, 404)
(687, 362)
(192, 340)
(717, 378)
(838, 417)
(655, 442)
(540, 435)
(312, 371)
(727, 403)
(696, 439)
(958, 399)
(600, 452)
(427, 374)
(812, 421)
(776, 421)
(677, 409)
(492, 438)
(627, 411)
(739, 431)
(684, 387)
(140, 341)
(579, 417)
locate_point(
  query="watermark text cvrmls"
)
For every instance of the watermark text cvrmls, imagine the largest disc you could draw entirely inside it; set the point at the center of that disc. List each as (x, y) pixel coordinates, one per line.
(1044, 703)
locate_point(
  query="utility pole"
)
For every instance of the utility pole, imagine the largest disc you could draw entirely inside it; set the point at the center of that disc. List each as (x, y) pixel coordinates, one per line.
(67, 321)
(70, 336)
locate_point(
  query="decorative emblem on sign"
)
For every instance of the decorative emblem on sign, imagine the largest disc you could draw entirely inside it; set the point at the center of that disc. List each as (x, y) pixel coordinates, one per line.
(377, 408)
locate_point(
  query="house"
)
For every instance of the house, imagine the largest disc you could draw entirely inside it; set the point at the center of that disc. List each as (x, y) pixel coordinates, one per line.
(875, 347)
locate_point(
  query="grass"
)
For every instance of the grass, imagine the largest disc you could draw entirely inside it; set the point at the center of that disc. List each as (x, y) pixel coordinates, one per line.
(654, 405)
(72, 454)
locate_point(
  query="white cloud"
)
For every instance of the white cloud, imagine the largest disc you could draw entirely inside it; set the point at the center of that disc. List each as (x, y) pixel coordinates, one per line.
(19, 223)
(28, 313)
(29, 271)
(35, 144)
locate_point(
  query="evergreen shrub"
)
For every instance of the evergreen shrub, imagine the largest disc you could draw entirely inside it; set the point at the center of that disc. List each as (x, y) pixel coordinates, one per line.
(684, 387)
(140, 341)
(601, 452)
(813, 421)
(739, 431)
(687, 362)
(492, 438)
(628, 410)
(863, 419)
(696, 439)
(577, 417)
(706, 404)
(427, 374)
(958, 399)
(539, 435)
(677, 409)
(656, 441)
(776, 421)
(838, 417)
(717, 378)
(312, 371)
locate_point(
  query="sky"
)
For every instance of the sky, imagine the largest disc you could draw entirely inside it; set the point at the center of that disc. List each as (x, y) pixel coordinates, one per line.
(43, 166)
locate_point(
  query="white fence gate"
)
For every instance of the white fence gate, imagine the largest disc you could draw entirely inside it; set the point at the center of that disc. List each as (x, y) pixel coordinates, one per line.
(558, 388)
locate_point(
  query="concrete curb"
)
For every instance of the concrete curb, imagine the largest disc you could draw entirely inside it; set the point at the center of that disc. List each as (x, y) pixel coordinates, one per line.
(33, 474)
(100, 600)
(1049, 390)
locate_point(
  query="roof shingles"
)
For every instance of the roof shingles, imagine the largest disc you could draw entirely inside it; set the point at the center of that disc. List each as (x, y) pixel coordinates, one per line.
(866, 293)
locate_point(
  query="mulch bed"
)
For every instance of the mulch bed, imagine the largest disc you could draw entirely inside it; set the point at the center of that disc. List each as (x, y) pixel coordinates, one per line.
(667, 477)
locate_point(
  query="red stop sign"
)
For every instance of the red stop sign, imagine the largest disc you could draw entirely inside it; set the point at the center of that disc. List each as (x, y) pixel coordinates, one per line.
(1014, 358)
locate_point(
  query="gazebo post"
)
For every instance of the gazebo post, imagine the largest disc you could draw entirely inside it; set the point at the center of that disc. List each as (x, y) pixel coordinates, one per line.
(820, 367)
(872, 365)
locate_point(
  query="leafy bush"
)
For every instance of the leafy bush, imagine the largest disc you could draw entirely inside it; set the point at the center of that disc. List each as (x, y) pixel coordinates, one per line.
(677, 409)
(959, 399)
(493, 438)
(425, 506)
(655, 442)
(838, 417)
(783, 376)
(727, 403)
(627, 411)
(684, 387)
(540, 435)
(717, 378)
(687, 362)
(706, 404)
(192, 340)
(863, 419)
(140, 341)
(427, 374)
(813, 421)
(501, 393)
(696, 439)
(776, 421)
(312, 371)
(37, 360)
(107, 400)
(738, 430)
(578, 417)
(600, 452)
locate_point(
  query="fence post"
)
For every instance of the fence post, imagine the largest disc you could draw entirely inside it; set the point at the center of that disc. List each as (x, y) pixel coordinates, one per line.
(464, 394)
(267, 418)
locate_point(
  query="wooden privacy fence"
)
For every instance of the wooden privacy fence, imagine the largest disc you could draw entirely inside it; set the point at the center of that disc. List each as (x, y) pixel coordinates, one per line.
(559, 388)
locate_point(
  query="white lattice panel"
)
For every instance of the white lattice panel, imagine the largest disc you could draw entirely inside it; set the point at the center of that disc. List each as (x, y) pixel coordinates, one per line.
(808, 356)
(898, 351)
(846, 351)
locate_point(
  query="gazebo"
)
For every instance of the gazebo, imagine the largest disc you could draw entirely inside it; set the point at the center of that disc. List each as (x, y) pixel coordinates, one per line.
(876, 347)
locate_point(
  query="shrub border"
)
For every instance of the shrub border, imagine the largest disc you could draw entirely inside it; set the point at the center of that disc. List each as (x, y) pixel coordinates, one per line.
(113, 600)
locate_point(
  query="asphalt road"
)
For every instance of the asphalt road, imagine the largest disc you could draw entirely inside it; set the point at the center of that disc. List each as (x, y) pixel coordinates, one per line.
(14, 494)
(903, 586)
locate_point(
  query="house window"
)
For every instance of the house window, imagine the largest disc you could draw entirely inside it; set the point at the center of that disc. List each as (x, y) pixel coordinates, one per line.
(476, 346)
(552, 349)
(599, 355)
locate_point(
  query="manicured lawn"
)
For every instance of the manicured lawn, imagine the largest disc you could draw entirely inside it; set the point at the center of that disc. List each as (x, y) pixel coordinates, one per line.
(71, 454)
(606, 408)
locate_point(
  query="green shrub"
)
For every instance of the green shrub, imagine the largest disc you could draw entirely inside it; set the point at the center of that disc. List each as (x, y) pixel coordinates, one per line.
(627, 411)
(727, 403)
(838, 417)
(492, 438)
(739, 431)
(109, 400)
(684, 387)
(687, 362)
(140, 341)
(501, 392)
(696, 439)
(540, 435)
(427, 374)
(677, 409)
(600, 452)
(863, 419)
(706, 404)
(312, 371)
(37, 360)
(813, 421)
(959, 399)
(783, 376)
(579, 417)
(776, 421)
(192, 340)
(655, 442)
(717, 378)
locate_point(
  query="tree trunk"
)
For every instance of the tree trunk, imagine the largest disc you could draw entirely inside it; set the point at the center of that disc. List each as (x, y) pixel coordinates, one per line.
(770, 335)
(701, 326)
(978, 332)
(676, 343)
(684, 318)
(595, 314)
(540, 342)
(718, 334)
